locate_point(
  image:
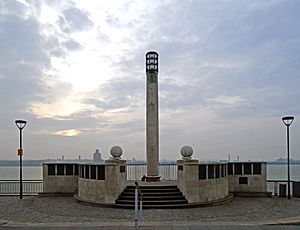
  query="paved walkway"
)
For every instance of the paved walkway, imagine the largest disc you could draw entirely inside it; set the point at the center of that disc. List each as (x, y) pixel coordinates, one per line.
(65, 213)
(186, 227)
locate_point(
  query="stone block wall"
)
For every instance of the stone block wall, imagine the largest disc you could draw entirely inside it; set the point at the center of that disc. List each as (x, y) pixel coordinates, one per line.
(202, 186)
(106, 186)
(60, 178)
(247, 177)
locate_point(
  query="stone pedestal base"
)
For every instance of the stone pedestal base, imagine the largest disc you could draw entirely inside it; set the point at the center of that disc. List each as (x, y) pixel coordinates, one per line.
(152, 178)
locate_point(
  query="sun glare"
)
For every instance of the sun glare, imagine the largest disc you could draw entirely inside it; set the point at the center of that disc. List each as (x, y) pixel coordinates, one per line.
(85, 67)
(57, 109)
(68, 133)
(85, 71)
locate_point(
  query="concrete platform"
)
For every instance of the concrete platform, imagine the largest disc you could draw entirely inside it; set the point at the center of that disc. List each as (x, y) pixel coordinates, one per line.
(65, 213)
(185, 227)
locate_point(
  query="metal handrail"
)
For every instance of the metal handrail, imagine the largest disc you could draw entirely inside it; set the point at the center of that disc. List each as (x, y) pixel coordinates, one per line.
(137, 211)
(139, 189)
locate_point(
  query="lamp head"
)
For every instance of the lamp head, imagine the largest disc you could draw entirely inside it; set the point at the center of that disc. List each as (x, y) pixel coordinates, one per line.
(151, 61)
(288, 120)
(21, 124)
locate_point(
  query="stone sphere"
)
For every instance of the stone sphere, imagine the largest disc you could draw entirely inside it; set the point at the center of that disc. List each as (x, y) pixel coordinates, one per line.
(186, 151)
(116, 152)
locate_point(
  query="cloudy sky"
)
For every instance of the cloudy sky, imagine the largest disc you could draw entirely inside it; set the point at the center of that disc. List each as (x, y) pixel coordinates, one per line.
(75, 70)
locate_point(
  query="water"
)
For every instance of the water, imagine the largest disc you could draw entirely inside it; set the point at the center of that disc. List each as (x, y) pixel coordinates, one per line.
(274, 172)
(13, 173)
(279, 172)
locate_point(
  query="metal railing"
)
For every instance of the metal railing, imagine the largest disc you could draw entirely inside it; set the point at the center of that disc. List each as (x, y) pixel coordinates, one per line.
(12, 187)
(166, 171)
(136, 171)
(273, 186)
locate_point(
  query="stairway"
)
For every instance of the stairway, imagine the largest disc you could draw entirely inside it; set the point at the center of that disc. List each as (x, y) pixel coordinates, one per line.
(154, 196)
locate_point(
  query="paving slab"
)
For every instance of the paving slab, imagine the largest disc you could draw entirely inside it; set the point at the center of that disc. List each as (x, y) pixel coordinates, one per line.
(64, 212)
(187, 227)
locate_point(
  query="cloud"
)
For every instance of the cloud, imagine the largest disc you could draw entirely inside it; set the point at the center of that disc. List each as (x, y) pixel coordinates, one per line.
(72, 45)
(113, 21)
(80, 66)
(12, 8)
(56, 109)
(68, 133)
(26, 85)
(22, 61)
(74, 20)
(228, 100)
(118, 94)
(102, 37)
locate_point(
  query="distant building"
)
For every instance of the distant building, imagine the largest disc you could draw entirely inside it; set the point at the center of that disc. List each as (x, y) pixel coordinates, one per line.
(97, 157)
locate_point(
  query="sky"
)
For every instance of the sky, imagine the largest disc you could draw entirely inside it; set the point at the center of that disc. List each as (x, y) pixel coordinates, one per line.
(75, 71)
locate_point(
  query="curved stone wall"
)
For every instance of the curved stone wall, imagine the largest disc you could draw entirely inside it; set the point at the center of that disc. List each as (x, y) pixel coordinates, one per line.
(213, 181)
(202, 183)
(199, 183)
(102, 183)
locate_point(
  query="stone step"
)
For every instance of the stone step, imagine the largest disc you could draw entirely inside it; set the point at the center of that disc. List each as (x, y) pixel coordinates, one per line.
(153, 187)
(146, 189)
(156, 196)
(146, 198)
(176, 193)
(154, 191)
(159, 206)
(153, 202)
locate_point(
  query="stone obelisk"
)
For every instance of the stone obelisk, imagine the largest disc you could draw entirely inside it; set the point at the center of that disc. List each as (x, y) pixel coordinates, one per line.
(152, 133)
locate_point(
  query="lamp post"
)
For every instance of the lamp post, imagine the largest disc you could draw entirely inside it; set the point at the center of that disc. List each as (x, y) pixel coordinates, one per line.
(21, 125)
(288, 121)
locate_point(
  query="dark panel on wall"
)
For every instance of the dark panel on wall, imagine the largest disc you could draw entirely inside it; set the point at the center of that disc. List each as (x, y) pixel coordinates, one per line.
(257, 168)
(51, 170)
(238, 169)
(122, 169)
(87, 172)
(217, 171)
(230, 169)
(202, 172)
(180, 167)
(69, 169)
(81, 171)
(101, 172)
(76, 170)
(60, 169)
(247, 168)
(211, 172)
(243, 180)
(93, 172)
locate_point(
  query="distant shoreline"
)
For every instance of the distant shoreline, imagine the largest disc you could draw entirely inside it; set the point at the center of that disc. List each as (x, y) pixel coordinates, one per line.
(25, 162)
(283, 163)
(31, 162)
(40, 162)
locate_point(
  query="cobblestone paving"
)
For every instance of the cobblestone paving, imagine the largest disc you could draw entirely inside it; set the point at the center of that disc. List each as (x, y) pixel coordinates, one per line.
(66, 210)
